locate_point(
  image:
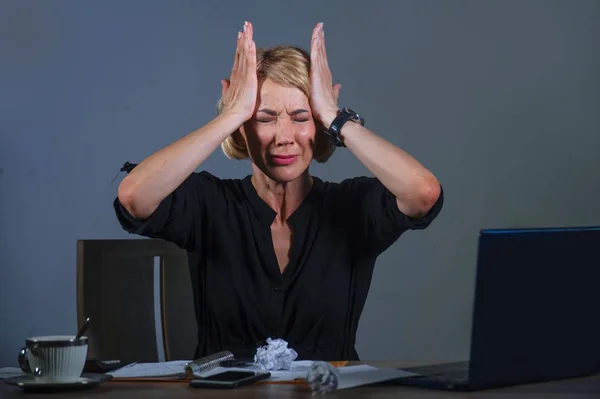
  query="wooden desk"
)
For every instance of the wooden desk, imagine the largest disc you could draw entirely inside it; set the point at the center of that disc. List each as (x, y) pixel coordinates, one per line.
(579, 388)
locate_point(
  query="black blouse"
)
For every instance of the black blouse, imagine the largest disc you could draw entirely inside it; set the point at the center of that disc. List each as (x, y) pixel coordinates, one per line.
(241, 297)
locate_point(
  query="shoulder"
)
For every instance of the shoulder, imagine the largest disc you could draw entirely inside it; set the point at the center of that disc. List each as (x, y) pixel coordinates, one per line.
(203, 177)
(210, 186)
(354, 185)
(346, 196)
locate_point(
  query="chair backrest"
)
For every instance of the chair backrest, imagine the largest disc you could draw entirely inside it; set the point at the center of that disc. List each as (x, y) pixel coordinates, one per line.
(138, 295)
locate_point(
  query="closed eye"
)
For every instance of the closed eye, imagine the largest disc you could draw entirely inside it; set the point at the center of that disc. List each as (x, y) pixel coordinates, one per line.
(262, 120)
(266, 115)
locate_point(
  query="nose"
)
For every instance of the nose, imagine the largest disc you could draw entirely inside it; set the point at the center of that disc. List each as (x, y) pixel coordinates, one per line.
(283, 140)
(284, 136)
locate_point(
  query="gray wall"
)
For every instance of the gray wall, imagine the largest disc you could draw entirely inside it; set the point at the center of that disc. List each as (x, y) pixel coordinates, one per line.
(500, 99)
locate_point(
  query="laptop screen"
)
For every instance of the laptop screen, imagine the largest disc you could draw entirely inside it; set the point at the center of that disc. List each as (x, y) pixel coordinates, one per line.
(536, 305)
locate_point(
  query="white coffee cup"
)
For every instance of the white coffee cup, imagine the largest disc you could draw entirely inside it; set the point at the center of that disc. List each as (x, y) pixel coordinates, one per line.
(54, 358)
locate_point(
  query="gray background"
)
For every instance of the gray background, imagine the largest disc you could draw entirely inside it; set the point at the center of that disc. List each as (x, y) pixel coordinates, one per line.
(500, 99)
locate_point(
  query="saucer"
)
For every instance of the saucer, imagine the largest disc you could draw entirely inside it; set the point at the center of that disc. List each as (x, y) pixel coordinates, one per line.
(86, 381)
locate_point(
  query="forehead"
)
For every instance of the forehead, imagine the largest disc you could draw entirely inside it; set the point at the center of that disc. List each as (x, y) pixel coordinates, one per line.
(273, 95)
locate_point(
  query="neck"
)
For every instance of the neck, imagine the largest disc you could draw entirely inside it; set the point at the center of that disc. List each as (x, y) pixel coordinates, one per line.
(283, 198)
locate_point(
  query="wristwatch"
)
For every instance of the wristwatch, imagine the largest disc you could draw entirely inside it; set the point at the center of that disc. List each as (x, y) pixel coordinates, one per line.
(343, 116)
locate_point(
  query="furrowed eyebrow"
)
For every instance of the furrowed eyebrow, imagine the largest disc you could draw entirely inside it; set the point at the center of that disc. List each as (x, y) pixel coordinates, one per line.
(273, 113)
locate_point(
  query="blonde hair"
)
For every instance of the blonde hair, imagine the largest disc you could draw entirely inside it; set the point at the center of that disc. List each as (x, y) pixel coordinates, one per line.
(287, 66)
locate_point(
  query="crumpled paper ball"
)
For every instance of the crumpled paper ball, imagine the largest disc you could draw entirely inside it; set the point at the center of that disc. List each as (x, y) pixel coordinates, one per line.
(322, 378)
(275, 355)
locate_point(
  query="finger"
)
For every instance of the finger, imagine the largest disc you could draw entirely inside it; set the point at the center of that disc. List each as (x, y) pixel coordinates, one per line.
(252, 55)
(236, 60)
(315, 40)
(243, 45)
(247, 37)
(315, 32)
(323, 60)
(250, 30)
(317, 29)
(336, 91)
(224, 86)
(322, 50)
(315, 57)
(250, 50)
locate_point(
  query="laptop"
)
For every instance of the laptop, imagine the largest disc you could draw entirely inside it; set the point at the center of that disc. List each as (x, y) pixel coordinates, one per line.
(536, 311)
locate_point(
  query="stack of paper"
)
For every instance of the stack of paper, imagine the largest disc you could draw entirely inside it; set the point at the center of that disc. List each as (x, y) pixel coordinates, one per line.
(350, 376)
(160, 370)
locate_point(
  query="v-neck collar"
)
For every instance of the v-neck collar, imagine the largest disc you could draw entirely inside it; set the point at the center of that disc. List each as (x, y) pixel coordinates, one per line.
(266, 214)
(303, 231)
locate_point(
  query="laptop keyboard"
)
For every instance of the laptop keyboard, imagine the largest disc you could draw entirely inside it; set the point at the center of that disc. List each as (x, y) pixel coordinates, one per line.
(457, 372)
(455, 376)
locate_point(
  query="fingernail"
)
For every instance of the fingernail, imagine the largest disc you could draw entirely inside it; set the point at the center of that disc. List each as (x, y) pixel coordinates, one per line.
(321, 25)
(239, 35)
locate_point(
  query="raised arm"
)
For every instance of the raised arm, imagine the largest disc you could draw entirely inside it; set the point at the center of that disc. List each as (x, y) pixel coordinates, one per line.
(416, 189)
(157, 176)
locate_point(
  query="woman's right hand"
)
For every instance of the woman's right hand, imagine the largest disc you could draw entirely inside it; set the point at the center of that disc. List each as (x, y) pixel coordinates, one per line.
(240, 92)
(157, 176)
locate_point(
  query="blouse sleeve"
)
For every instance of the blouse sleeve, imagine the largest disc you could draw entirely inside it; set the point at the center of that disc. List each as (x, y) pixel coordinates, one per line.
(379, 217)
(177, 218)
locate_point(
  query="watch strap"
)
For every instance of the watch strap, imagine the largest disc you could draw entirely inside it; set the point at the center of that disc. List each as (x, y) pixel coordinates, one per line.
(343, 116)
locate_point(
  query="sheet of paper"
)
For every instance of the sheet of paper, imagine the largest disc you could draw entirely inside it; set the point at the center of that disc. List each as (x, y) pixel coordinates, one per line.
(350, 376)
(9, 372)
(354, 376)
(149, 370)
(299, 370)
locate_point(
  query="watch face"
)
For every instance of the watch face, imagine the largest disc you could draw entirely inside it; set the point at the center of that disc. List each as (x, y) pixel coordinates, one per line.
(349, 112)
(354, 116)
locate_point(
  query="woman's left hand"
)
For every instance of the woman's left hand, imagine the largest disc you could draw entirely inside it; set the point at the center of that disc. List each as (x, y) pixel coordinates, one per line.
(415, 188)
(324, 95)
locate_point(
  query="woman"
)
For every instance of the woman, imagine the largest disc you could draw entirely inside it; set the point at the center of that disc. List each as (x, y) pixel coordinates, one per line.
(279, 253)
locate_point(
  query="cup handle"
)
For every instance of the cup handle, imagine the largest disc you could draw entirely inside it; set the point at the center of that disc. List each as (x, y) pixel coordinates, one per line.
(24, 363)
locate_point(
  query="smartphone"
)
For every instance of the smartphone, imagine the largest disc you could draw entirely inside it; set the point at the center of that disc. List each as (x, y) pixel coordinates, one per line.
(236, 363)
(230, 379)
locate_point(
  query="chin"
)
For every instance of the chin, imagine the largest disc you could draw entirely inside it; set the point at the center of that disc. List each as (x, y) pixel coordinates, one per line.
(286, 174)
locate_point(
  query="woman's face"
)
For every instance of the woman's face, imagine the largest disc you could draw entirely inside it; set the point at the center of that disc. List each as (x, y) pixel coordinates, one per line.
(281, 134)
